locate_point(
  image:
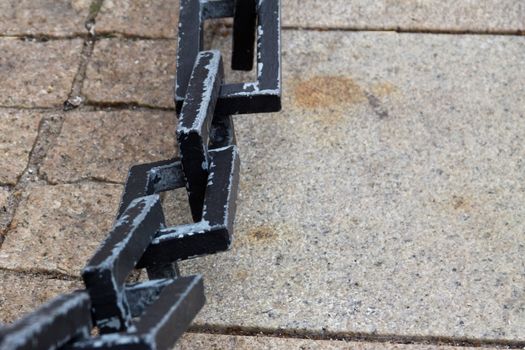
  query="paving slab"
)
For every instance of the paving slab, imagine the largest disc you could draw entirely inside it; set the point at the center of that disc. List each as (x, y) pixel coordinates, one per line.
(43, 17)
(441, 15)
(18, 133)
(132, 71)
(196, 341)
(21, 293)
(387, 197)
(37, 74)
(157, 19)
(58, 228)
(103, 145)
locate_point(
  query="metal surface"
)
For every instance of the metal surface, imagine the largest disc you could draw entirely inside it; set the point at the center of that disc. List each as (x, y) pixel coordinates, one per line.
(263, 95)
(153, 314)
(61, 320)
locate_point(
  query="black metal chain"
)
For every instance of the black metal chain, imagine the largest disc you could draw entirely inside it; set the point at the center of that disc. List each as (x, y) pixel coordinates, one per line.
(154, 314)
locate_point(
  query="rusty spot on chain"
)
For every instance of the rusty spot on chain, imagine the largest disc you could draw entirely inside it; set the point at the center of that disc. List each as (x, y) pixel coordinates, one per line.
(326, 91)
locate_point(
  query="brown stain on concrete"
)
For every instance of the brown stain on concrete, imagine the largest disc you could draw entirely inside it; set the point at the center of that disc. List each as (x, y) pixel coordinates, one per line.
(261, 234)
(460, 203)
(241, 274)
(327, 91)
(384, 88)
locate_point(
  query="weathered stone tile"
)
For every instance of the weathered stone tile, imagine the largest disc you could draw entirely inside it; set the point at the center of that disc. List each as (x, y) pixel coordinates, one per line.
(387, 197)
(43, 17)
(129, 71)
(18, 133)
(195, 341)
(21, 293)
(443, 15)
(157, 19)
(37, 74)
(103, 145)
(58, 228)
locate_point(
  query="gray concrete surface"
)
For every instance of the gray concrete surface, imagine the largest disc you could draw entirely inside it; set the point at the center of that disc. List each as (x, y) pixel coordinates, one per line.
(213, 341)
(410, 15)
(386, 197)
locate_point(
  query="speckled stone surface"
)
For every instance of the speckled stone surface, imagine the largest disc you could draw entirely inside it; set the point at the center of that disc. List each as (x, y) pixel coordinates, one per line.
(43, 17)
(442, 15)
(130, 71)
(18, 132)
(157, 19)
(387, 197)
(4, 196)
(103, 145)
(37, 74)
(195, 341)
(21, 293)
(58, 228)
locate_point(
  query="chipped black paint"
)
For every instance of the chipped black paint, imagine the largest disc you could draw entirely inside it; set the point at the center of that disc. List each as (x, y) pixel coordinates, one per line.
(261, 96)
(57, 322)
(165, 309)
(214, 232)
(194, 125)
(106, 272)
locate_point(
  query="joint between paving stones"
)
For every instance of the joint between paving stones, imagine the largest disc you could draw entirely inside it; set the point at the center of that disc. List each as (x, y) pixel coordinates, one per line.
(51, 275)
(402, 30)
(356, 337)
(48, 129)
(84, 180)
(133, 106)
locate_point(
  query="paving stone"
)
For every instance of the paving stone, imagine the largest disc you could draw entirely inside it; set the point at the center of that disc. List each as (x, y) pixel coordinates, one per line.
(387, 197)
(21, 293)
(104, 145)
(43, 17)
(18, 133)
(443, 15)
(37, 74)
(58, 228)
(132, 71)
(195, 341)
(157, 19)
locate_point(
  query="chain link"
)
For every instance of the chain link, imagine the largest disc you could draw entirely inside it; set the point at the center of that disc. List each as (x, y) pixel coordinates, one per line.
(154, 314)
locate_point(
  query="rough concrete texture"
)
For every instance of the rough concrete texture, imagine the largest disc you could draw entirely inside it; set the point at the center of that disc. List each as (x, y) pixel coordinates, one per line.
(157, 19)
(4, 195)
(18, 133)
(442, 15)
(128, 71)
(37, 74)
(387, 196)
(43, 17)
(21, 293)
(58, 228)
(103, 145)
(195, 341)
